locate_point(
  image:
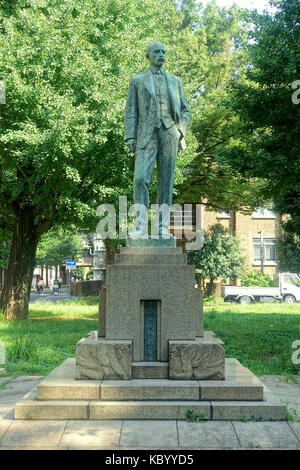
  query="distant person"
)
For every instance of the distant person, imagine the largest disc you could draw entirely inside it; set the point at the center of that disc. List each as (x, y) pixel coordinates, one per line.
(40, 286)
(60, 281)
(37, 283)
(55, 287)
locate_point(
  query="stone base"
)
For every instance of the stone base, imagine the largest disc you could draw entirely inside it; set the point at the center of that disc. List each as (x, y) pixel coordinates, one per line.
(162, 275)
(104, 359)
(202, 359)
(99, 358)
(151, 242)
(240, 396)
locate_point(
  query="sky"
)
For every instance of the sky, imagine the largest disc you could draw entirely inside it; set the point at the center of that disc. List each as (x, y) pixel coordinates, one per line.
(259, 5)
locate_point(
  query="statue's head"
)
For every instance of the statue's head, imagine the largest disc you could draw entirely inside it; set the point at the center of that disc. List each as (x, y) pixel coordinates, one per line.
(156, 53)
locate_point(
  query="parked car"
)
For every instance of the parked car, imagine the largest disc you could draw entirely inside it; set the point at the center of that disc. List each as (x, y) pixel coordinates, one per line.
(286, 288)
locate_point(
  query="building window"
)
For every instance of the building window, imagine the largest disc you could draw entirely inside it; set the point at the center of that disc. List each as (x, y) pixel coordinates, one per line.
(262, 213)
(268, 247)
(223, 214)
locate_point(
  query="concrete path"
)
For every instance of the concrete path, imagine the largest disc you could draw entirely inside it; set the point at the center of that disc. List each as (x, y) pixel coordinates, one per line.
(134, 435)
(48, 296)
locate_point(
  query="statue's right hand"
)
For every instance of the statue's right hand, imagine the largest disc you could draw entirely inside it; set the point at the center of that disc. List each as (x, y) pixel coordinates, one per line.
(131, 144)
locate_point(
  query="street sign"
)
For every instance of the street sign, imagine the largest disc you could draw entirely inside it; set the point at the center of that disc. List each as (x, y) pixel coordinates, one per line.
(71, 263)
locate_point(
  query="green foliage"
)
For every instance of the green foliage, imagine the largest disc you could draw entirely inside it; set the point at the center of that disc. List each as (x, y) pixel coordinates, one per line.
(256, 278)
(219, 257)
(79, 272)
(56, 246)
(22, 348)
(4, 253)
(269, 145)
(194, 417)
(216, 56)
(288, 253)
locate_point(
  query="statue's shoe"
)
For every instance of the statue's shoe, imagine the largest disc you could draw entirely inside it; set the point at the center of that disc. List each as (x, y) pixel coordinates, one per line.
(166, 234)
(138, 234)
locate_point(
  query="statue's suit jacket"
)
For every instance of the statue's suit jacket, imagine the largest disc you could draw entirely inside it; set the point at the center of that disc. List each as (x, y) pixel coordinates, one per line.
(141, 108)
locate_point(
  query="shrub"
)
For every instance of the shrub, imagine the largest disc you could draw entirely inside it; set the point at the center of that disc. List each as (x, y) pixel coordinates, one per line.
(256, 278)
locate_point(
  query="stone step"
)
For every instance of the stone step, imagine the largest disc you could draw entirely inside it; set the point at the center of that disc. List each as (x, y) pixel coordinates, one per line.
(149, 389)
(31, 408)
(151, 243)
(149, 250)
(150, 258)
(239, 384)
(150, 370)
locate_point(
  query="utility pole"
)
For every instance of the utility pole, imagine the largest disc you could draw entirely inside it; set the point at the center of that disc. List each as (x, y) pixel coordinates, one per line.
(262, 254)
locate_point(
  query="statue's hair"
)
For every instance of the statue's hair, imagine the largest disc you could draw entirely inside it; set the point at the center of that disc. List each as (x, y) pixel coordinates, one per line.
(151, 46)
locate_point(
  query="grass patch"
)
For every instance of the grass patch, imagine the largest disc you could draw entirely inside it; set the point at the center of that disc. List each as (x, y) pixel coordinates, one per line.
(258, 335)
(38, 345)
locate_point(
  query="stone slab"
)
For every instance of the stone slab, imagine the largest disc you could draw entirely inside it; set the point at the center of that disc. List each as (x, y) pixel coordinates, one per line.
(150, 370)
(157, 434)
(60, 384)
(268, 409)
(98, 358)
(149, 389)
(147, 410)
(92, 433)
(4, 425)
(29, 408)
(202, 359)
(295, 426)
(34, 433)
(124, 250)
(205, 435)
(266, 435)
(68, 389)
(66, 370)
(243, 388)
(151, 242)
(151, 258)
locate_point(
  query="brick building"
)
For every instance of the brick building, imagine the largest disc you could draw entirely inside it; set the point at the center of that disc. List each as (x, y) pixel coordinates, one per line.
(262, 224)
(247, 229)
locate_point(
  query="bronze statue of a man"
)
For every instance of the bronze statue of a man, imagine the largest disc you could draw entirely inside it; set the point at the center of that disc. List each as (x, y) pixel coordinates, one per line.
(157, 116)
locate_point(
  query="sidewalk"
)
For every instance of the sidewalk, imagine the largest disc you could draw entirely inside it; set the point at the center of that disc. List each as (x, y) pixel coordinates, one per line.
(134, 435)
(48, 296)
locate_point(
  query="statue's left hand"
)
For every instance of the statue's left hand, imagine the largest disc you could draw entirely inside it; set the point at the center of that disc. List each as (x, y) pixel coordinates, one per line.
(131, 144)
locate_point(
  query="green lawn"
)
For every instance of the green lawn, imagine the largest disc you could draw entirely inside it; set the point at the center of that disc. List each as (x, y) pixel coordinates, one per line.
(38, 345)
(259, 335)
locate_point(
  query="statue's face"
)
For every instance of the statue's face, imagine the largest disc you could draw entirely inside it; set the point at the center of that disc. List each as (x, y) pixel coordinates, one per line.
(157, 54)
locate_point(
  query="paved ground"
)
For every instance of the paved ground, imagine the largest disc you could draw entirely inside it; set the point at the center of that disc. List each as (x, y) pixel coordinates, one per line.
(132, 435)
(48, 296)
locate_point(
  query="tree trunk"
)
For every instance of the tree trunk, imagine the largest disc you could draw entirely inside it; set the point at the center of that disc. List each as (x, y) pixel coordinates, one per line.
(1, 271)
(210, 287)
(110, 251)
(47, 275)
(18, 279)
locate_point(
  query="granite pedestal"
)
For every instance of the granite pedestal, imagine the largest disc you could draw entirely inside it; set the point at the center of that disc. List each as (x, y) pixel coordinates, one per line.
(150, 358)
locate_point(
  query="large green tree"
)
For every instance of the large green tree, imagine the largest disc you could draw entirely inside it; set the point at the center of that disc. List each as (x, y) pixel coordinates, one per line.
(266, 101)
(57, 245)
(219, 257)
(66, 67)
(217, 54)
(288, 252)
